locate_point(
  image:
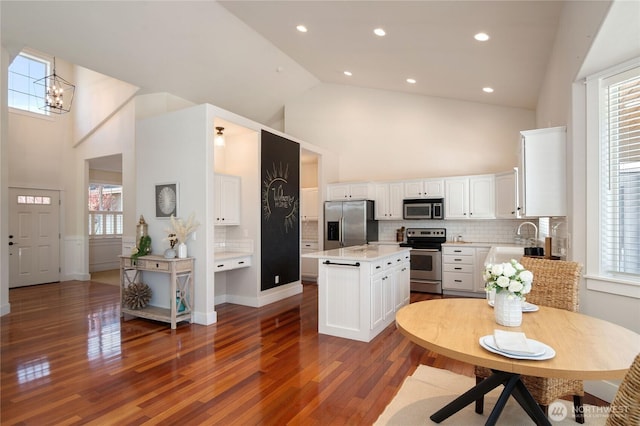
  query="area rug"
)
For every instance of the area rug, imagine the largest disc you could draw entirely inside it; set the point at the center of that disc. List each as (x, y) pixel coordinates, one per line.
(429, 389)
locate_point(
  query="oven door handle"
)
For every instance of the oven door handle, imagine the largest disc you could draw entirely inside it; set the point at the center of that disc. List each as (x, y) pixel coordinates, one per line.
(426, 250)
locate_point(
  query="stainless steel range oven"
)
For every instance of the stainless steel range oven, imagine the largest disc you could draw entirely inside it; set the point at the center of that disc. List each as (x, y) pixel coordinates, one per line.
(426, 258)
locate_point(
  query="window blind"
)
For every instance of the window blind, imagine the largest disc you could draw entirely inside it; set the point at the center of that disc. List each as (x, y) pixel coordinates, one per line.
(620, 175)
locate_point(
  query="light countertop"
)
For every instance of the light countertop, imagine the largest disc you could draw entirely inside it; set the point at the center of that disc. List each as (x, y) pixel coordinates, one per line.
(363, 253)
(225, 255)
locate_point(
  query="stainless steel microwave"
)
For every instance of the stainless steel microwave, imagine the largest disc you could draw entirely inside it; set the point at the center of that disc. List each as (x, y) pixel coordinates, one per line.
(423, 208)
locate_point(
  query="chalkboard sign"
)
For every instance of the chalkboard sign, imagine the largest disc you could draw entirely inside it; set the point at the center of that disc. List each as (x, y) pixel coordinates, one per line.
(280, 192)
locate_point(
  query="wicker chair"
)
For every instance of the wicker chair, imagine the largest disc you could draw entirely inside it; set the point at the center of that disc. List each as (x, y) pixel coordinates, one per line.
(625, 408)
(555, 284)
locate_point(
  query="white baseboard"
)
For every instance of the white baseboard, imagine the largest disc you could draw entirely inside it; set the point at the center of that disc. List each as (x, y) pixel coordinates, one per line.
(603, 389)
(274, 295)
(205, 318)
(5, 309)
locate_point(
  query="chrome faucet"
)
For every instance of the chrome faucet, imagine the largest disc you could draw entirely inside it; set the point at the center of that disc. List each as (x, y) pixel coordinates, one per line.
(535, 238)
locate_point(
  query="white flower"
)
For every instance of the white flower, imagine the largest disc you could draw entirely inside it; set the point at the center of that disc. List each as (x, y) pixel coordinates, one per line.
(503, 281)
(496, 269)
(508, 270)
(526, 276)
(510, 277)
(515, 286)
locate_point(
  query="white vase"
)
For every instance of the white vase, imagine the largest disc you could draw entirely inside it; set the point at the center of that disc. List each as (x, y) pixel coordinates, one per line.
(182, 250)
(508, 309)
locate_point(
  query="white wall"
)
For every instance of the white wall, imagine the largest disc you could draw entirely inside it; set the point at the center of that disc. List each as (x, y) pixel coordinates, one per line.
(5, 308)
(172, 148)
(381, 135)
(594, 35)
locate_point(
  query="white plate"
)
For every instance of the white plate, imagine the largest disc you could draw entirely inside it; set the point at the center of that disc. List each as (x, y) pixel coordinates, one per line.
(541, 351)
(526, 306)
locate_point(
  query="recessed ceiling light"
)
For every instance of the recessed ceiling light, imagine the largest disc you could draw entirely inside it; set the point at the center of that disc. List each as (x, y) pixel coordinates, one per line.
(411, 80)
(379, 32)
(301, 28)
(481, 36)
(487, 89)
(348, 73)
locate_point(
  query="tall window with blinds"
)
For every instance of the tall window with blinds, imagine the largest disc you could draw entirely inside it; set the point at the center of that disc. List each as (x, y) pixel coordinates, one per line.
(620, 174)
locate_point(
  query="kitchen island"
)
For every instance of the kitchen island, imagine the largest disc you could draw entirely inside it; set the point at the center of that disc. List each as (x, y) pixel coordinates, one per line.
(360, 288)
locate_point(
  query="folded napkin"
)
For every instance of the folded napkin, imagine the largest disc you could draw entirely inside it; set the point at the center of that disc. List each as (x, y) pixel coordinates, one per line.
(512, 341)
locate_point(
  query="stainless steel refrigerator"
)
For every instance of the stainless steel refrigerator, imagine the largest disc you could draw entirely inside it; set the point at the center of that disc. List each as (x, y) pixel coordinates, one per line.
(349, 223)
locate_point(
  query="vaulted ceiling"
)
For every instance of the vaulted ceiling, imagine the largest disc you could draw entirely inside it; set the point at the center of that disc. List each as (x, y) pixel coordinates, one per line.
(248, 57)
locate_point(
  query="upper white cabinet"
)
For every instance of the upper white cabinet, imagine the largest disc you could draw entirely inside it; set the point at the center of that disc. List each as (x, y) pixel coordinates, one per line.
(425, 188)
(470, 197)
(543, 186)
(350, 191)
(309, 203)
(227, 200)
(388, 200)
(507, 195)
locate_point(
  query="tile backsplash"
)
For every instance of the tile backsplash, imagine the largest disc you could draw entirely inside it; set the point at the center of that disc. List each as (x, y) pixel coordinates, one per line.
(491, 231)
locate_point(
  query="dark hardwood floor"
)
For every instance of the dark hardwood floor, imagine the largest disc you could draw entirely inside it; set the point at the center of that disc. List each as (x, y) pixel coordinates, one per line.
(68, 358)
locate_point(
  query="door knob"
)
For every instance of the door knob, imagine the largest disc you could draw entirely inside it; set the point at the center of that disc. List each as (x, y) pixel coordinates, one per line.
(10, 243)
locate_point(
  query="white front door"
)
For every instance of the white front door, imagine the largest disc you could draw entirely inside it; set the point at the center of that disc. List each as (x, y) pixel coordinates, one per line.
(34, 237)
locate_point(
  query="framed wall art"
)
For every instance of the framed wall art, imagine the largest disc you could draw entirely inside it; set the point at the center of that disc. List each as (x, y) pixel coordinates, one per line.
(166, 198)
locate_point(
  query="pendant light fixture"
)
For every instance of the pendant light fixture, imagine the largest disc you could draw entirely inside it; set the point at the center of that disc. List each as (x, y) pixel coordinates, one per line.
(219, 139)
(58, 92)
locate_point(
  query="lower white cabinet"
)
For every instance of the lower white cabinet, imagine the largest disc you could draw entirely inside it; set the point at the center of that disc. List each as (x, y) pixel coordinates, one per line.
(462, 267)
(359, 299)
(309, 267)
(226, 262)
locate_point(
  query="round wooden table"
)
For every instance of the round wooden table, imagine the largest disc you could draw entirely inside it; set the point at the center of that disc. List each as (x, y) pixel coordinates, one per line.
(586, 348)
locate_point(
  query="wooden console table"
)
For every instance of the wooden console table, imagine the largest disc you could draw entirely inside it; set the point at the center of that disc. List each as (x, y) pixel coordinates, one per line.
(181, 287)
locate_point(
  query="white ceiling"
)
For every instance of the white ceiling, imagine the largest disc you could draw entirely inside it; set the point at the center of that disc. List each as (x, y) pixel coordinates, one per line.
(253, 61)
(430, 41)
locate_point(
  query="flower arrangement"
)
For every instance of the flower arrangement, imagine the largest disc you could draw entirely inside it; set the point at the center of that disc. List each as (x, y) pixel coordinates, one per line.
(510, 276)
(182, 230)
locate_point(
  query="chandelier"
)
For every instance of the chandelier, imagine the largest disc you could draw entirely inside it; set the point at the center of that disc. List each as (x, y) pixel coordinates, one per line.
(58, 92)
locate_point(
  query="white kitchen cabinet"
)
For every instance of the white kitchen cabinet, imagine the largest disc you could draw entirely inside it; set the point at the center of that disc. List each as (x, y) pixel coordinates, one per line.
(482, 197)
(462, 266)
(227, 200)
(388, 200)
(470, 197)
(457, 268)
(227, 263)
(542, 172)
(403, 292)
(309, 266)
(377, 294)
(309, 204)
(350, 191)
(481, 256)
(358, 299)
(507, 195)
(425, 188)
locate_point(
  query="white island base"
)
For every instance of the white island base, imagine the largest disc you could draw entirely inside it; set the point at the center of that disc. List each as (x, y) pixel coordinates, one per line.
(360, 289)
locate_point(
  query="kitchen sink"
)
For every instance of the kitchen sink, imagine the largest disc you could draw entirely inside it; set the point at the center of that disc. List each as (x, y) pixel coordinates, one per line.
(501, 254)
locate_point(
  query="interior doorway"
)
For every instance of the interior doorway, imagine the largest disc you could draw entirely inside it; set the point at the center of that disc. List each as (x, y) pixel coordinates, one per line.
(105, 207)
